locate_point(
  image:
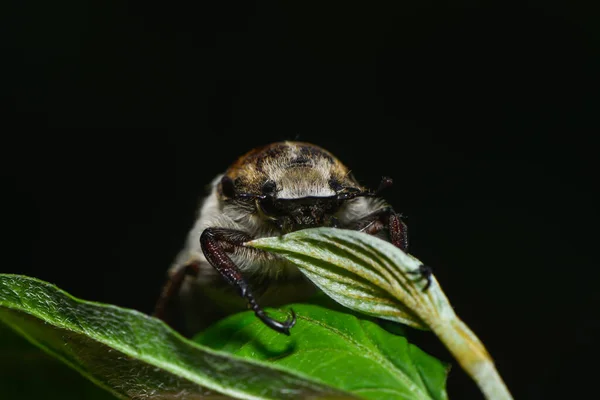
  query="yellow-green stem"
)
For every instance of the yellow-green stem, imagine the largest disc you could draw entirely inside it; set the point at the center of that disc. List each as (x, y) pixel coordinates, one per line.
(472, 356)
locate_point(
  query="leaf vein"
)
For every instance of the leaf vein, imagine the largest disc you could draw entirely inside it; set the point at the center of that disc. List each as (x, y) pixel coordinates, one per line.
(404, 377)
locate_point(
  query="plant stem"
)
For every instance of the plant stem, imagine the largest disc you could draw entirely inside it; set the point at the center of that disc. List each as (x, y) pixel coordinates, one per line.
(470, 353)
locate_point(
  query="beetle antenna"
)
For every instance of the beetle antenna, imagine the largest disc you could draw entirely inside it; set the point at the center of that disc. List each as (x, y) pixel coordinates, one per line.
(385, 183)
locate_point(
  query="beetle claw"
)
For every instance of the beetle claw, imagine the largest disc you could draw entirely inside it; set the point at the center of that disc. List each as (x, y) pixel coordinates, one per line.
(424, 272)
(281, 327)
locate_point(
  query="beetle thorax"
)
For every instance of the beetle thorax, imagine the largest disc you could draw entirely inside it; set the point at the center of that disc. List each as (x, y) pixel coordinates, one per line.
(302, 181)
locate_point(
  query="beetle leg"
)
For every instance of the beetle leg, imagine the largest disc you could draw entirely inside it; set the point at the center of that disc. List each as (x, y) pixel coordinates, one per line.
(216, 243)
(172, 287)
(386, 218)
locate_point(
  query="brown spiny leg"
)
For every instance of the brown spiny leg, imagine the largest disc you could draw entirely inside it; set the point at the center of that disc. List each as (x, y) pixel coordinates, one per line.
(387, 218)
(171, 289)
(216, 243)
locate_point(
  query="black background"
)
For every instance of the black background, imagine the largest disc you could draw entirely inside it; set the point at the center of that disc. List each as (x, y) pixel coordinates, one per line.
(118, 115)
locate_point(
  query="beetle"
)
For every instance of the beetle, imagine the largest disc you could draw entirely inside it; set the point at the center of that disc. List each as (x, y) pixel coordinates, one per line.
(271, 190)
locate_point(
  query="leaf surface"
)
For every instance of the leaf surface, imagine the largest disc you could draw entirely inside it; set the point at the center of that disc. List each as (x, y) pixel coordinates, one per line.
(340, 349)
(363, 273)
(136, 356)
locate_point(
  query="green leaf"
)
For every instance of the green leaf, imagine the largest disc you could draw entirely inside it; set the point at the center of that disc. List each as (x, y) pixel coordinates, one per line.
(135, 356)
(340, 349)
(355, 269)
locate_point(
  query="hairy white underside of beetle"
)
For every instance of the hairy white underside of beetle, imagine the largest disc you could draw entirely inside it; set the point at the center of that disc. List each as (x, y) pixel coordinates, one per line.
(215, 215)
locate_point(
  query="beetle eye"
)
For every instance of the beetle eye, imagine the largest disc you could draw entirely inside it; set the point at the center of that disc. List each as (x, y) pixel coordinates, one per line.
(227, 186)
(269, 187)
(267, 206)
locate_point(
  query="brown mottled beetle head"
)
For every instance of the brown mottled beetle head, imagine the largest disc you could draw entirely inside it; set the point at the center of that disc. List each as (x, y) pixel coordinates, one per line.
(294, 185)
